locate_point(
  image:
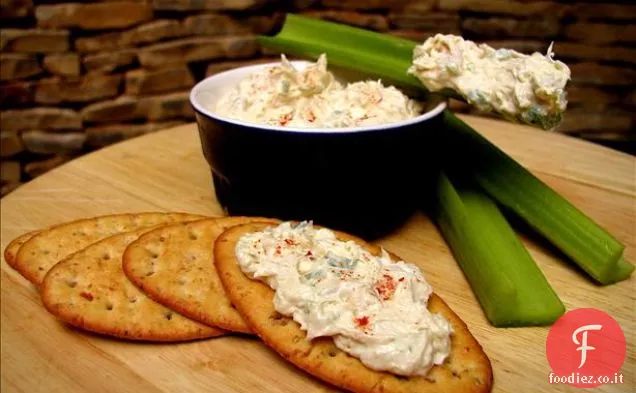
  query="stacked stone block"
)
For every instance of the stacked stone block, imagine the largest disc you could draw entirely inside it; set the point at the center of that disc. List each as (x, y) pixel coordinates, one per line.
(77, 76)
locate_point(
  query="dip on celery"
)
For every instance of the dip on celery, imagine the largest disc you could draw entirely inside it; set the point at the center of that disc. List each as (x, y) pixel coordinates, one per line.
(528, 88)
(311, 98)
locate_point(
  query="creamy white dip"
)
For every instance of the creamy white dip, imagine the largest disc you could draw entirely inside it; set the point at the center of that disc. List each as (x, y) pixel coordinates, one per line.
(527, 88)
(375, 309)
(311, 98)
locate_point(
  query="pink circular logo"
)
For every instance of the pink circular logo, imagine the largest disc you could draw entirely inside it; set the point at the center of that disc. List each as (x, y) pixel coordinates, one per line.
(586, 348)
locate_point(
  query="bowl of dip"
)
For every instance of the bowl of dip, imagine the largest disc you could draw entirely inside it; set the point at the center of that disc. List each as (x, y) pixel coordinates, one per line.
(293, 141)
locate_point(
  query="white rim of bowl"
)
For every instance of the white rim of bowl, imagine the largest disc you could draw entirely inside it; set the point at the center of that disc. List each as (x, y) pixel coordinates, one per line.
(378, 127)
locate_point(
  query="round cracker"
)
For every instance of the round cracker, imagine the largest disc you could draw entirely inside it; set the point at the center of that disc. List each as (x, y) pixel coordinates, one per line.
(174, 266)
(45, 249)
(89, 290)
(467, 369)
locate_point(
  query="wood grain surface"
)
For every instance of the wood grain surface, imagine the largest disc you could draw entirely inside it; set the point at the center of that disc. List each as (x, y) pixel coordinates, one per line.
(166, 171)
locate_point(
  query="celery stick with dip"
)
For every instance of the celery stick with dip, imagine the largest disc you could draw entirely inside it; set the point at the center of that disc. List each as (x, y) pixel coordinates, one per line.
(525, 88)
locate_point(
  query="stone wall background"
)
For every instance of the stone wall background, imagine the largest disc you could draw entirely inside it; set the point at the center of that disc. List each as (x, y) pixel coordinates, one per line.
(75, 77)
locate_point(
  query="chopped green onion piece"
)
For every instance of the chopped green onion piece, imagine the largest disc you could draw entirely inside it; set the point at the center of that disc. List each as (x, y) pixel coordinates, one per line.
(511, 185)
(509, 285)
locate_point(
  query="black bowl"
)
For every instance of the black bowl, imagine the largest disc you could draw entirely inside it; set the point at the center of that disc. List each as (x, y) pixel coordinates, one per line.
(363, 180)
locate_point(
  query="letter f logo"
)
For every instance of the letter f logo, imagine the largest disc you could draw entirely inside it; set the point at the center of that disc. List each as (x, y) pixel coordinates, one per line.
(584, 347)
(571, 339)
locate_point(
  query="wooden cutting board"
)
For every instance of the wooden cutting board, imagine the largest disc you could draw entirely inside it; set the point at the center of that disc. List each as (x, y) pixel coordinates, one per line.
(166, 172)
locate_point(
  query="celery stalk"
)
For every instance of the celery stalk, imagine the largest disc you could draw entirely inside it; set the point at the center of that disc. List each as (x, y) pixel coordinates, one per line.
(374, 54)
(310, 38)
(338, 57)
(510, 287)
(622, 272)
(511, 185)
(319, 30)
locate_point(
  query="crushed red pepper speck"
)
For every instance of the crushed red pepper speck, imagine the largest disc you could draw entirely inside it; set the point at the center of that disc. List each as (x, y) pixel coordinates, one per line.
(86, 295)
(290, 242)
(401, 279)
(362, 322)
(308, 253)
(284, 119)
(385, 287)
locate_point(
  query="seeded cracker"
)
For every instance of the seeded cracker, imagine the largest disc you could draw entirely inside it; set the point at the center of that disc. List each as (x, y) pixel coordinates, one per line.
(89, 290)
(174, 266)
(466, 370)
(45, 249)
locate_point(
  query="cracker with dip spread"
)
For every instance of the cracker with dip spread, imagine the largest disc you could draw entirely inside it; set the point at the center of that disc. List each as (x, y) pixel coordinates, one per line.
(43, 250)
(174, 266)
(381, 346)
(90, 291)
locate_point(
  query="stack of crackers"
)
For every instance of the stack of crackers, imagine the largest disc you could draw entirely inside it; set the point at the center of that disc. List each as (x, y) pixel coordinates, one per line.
(174, 277)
